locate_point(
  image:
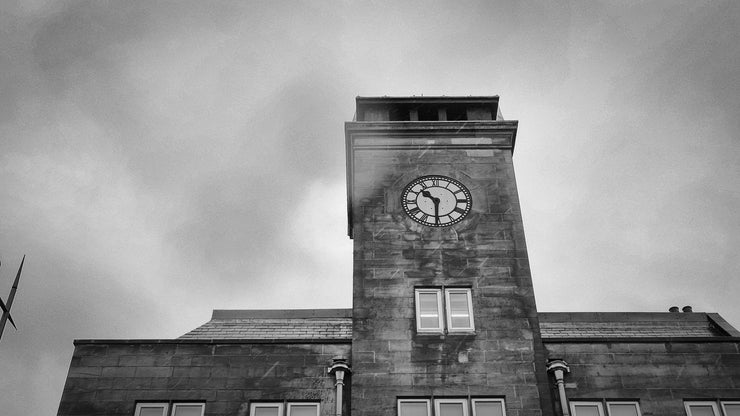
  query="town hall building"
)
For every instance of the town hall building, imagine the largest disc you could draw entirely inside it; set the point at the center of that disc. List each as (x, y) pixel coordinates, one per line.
(443, 319)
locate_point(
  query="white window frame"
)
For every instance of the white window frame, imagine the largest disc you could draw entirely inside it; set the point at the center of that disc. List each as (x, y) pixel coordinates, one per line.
(503, 404)
(463, 402)
(427, 402)
(165, 406)
(448, 310)
(723, 403)
(277, 405)
(687, 406)
(291, 404)
(176, 405)
(440, 310)
(635, 404)
(466, 404)
(574, 404)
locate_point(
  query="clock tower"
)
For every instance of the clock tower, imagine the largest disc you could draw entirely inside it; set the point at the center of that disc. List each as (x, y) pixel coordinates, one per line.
(444, 315)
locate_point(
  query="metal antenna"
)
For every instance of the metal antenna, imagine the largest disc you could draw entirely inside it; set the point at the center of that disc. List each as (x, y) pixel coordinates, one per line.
(6, 307)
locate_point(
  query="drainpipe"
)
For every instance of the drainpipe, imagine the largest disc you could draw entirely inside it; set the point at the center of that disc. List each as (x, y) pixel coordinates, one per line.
(339, 368)
(559, 368)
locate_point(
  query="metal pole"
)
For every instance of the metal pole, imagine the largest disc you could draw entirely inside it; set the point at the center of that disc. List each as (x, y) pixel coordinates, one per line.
(11, 296)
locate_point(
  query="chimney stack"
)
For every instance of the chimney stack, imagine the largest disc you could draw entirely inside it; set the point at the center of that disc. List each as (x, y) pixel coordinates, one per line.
(673, 309)
(687, 309)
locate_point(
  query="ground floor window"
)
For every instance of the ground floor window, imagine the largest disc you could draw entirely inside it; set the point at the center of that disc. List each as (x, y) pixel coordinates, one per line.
(712, 408)
(169, 409)
(613, 408)
(451, 407)
(284, 409)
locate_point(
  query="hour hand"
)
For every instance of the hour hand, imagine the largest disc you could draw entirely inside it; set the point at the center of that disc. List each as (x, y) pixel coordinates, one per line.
(427, 194)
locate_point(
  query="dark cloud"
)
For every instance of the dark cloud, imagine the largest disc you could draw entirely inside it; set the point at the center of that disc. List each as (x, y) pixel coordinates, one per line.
(160, 159)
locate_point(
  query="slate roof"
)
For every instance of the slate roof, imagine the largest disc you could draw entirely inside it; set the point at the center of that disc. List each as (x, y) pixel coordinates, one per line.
(633, 325)
(336, 324)
(296, 324)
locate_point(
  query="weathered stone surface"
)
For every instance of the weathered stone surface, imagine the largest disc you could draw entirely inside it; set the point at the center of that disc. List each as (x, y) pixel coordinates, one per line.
(485, 252)
(108, 379)
(658, 374)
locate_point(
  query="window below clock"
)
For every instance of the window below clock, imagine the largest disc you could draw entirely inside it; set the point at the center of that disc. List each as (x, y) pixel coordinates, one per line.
(169, 409)
(710, 408)
(613, 408)
(451, 407)
(436, 313)
(284, 409)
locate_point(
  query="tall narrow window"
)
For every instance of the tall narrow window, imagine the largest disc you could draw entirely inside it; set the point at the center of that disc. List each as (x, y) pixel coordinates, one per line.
(459, 310)
(731, 408)
(413, 407)
(266, 409)
(188, 409)
(429, 310)
(151, 409)
(303, 409)
(488, 407)
(455, 315)
(701, 408)
(451, 407)
(163, 409)
(623, 408)
(586, 409)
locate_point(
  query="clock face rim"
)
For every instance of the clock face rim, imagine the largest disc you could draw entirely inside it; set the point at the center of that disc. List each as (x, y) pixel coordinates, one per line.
(420, 180)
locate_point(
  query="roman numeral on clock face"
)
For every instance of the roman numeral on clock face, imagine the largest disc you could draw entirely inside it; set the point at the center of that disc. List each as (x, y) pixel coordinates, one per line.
(459, 210)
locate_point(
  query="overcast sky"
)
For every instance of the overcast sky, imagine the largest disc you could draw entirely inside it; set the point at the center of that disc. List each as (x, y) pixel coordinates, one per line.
(162, 159)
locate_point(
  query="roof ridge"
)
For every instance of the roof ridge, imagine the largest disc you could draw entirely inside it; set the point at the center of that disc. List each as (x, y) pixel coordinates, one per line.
(280, 313)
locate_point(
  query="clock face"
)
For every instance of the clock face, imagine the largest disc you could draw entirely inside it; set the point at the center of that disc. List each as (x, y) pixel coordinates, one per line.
(437, 201)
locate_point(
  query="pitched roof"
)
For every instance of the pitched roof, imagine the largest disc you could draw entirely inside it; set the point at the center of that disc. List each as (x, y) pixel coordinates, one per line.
(336, 324)
(633, 325)
(296, 324)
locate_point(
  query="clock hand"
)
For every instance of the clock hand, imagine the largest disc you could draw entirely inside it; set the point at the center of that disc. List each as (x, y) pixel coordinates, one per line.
(429, 195)
(436, 210)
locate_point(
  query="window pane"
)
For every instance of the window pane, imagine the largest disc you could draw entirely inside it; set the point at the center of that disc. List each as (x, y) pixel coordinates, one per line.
(429, 322)
(701, 410)
(459, 322)
(488, 409)
(622, 409)
(732, 409)
(413, 409)
(586, 410)
(450, 409)
(303, 410)
(151, 411)
(188, 410)
(428, 304)
(459, 303)
(266, 411)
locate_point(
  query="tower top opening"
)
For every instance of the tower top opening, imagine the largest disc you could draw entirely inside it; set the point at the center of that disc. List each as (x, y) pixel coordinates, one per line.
(443, 108)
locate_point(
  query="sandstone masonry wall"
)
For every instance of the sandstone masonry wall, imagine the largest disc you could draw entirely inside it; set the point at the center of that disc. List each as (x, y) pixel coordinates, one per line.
(485, 252)
(108, 378)
(660, 375)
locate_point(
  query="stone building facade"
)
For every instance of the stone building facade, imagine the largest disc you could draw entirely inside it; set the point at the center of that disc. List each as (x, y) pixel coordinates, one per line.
(444, 321)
